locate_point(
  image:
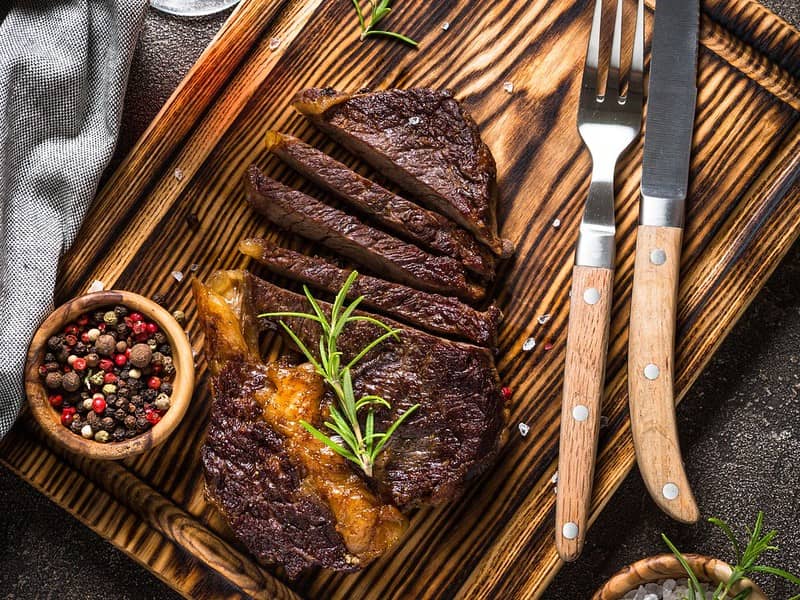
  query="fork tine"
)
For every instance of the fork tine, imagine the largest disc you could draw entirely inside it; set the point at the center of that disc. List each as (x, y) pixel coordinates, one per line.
(612, 87)
(637, 62)
(593, 51)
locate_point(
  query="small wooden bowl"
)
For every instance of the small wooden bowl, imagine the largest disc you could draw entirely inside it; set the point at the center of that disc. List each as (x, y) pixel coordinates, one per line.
(666, 566)
(182, 385)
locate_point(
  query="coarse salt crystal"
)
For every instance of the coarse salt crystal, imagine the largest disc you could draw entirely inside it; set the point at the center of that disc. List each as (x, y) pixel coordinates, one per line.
(177, 276)
(96, 286)
(556, 223)
(554, 478)
(445, 25)
(274, 43)
(508, 86)
(523, 429)
(194, 267)
(543, 319)
(178, 174)
(414, 120)
(529, 344)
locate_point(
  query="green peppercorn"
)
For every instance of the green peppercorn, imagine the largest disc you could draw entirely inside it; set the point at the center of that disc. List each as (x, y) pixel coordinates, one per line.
(162, 402)
(96, 379)
(179, 316)
(101, 436)
(110, 318)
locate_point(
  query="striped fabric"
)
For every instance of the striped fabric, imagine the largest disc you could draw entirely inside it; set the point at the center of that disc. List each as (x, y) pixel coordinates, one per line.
(63, 70)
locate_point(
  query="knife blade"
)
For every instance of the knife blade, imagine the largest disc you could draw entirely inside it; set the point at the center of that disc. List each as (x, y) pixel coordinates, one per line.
(665, 174)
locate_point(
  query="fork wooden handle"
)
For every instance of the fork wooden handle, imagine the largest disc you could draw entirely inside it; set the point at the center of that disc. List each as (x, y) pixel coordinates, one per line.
(584, 382)
(651, 361)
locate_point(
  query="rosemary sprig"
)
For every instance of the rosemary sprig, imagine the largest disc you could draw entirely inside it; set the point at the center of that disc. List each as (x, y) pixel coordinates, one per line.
(357, 444)
(378, 10)
(757, 545)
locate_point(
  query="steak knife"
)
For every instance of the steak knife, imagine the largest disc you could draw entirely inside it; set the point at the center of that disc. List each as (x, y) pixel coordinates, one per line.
(665, 174)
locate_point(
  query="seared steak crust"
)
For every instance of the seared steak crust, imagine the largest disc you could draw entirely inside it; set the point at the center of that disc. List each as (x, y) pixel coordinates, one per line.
(432, 312)
(424, 141)
(297, 212)
(453, 436)
(257, 485)
(425, 227)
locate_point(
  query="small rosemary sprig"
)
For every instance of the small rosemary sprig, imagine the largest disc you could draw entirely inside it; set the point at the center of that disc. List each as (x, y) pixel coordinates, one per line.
(745, 566)
(359, 445)
(378, 10)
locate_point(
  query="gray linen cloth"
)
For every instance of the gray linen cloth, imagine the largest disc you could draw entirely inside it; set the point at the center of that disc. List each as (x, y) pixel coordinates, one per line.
(63, 69)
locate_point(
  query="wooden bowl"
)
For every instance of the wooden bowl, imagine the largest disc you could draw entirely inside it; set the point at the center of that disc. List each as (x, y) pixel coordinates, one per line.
(666, 566)
(182, 386)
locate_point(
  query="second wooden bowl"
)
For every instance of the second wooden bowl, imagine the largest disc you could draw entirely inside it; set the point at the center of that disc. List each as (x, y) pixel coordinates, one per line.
(182, 385)
(666, 566)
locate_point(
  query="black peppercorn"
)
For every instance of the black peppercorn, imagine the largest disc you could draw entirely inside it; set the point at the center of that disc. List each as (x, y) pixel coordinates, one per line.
(49, 357)
(52, 366)
(120, 414)
(76, 425)
(80, 349)
(165, 350)
(97, 316)
(160, 338)
(121, 311)
(166, 387)
(108, 424)
(92, 419)
(55, 343)
(131, 433)
(119, 434)
(130, 422)
(142, 424)
(122, 330)
(160, 299)
(149, 395)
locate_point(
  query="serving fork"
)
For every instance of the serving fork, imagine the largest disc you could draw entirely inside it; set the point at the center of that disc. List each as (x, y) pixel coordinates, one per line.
(608, 124)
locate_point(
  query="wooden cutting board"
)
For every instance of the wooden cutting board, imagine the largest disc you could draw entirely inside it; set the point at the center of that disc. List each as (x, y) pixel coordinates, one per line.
(177, 201)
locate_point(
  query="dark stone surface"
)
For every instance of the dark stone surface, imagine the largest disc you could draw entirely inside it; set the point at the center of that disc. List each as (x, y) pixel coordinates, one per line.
(739, 424)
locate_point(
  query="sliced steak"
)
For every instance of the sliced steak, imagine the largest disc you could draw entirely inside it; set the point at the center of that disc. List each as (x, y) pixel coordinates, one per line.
(297, 212)
(454, 435)
(427, 228)
(424, 141)
(433, 312)
(286, 496)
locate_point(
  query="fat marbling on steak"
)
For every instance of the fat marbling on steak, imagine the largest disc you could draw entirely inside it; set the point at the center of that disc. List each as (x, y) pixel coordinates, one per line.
(376, 250)
(455, 433)
(424, 227)
(424, 141)
(289, 498)
(432, 312)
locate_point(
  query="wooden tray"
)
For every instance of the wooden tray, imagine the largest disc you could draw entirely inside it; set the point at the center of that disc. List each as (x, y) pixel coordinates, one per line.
(177, 201)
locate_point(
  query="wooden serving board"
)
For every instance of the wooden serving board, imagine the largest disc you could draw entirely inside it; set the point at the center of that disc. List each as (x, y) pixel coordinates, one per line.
(177, 201)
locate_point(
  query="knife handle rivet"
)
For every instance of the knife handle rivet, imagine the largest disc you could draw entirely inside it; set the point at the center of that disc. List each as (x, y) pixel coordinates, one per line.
(591, 295)
(651, 371)
(580, 412)
(658, 256)
(670, 491)
(570, 530)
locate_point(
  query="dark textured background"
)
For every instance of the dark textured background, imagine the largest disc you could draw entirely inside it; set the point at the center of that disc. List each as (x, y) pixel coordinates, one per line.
(740, 423)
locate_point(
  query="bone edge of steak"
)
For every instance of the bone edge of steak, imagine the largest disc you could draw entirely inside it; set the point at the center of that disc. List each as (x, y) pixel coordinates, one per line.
(274, 201)
(314, 108)
(432, 312)
(457, 242)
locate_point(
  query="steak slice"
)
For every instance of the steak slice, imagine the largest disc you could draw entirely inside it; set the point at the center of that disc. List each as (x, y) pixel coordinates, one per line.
(424, 141)
(422, 226)
(289, 498)
(433, 312)
(451, 438)
(299, 213)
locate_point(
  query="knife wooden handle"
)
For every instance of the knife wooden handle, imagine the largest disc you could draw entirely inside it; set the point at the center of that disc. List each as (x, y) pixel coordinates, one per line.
(584, 382)
(651, 361)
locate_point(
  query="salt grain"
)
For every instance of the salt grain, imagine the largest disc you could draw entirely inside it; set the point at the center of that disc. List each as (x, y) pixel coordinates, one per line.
(529, 344)
(554, 478)
(177, 276)
(96, 286)
(194, 267)
(508, 86)
(414, 120)
(543, 319)
(274, 43)
(445, 25)
(556, 223)
(178, 174)
(523, 429)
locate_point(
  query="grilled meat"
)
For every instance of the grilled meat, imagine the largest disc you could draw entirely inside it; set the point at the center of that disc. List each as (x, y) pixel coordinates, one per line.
(425, 142)
(289, 498)
(424, 227)
(297, 212)
(432, 312)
